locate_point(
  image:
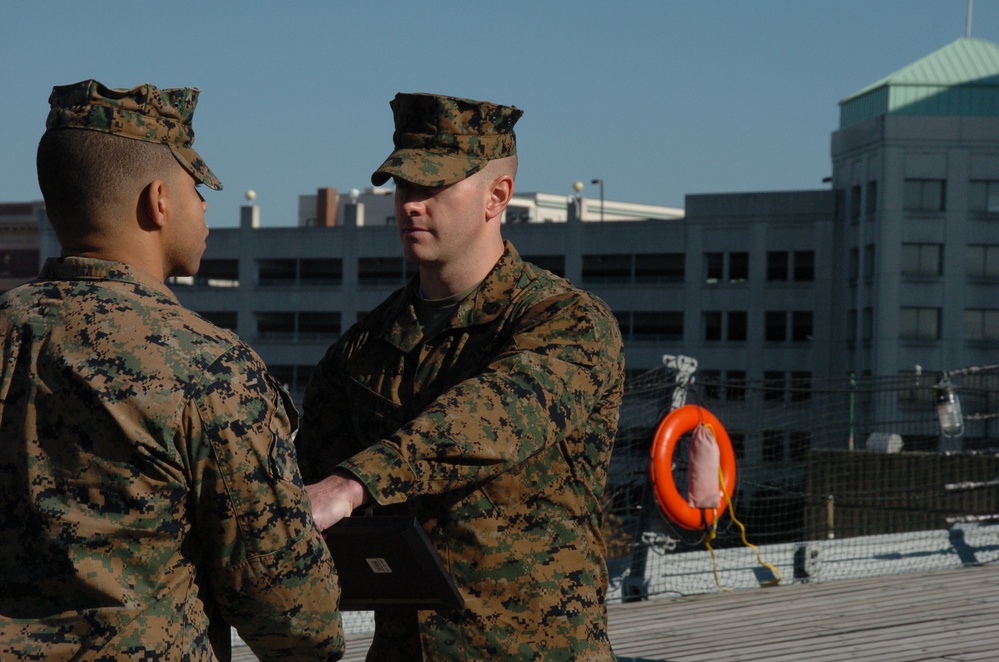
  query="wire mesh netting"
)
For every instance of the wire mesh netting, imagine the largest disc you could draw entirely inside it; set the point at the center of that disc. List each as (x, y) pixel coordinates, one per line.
(846, 478)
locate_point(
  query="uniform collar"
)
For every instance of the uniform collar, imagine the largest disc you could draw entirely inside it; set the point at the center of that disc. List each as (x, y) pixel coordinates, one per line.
(482, 306)
(89, 268)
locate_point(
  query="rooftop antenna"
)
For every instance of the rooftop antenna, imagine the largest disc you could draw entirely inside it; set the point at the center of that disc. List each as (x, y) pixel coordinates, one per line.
(967, 23)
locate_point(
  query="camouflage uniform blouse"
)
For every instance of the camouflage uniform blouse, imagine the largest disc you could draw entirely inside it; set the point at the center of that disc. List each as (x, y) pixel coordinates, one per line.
(496, 430)
(148, 484)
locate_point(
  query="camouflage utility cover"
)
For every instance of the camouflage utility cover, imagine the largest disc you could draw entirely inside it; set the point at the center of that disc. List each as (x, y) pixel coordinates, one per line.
(144, 112)
(149, 490)
(441, 140)
(495, 431)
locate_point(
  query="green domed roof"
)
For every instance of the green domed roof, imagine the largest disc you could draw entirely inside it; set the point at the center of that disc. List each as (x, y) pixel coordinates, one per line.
(960, 79)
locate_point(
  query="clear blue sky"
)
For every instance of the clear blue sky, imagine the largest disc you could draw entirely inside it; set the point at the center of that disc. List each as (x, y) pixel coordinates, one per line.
(658, 98)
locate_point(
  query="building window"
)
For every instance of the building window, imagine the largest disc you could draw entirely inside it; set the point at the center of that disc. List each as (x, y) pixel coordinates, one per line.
(518, 215)
(738, 440)
(297, 326)
(318, 325)
(737, 325)
(775, 326)
(734, 331)
(211, 273)
(869, 254)
(773, 385)
(323, 271)
(640, 268)
(853, 264)
(983, 261)
(552, 263)
(735, 385)
(922, 260)
(276, 326)
(738, 267)
(19, 263)
(804, 266)
(801, 326)
(984, 196)
(276, 272)
(714, 267)
(926, 195)
(623, 323)
(712, 326)
(866, 321)
(651, 325)
(801, 385)
(382, 271)
(659, 268)
(800, 441)
(871, 202)
(607, 268)
(855, 203)
(777, 265)
(773, 446)
(981, 324)
(225, 319)
(319, 271)
(710, 384)
(919, 323)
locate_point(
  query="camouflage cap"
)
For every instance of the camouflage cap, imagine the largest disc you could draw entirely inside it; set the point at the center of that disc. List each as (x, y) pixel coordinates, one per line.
(441, 140)
(144, 112)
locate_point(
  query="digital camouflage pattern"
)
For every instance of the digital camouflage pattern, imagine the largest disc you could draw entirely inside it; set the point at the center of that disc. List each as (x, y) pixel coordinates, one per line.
(495, 431)
(441, 140)
(149, 489)
(144, 112)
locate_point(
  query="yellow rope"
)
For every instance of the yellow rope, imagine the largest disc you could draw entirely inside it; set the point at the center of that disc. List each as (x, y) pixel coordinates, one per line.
(713, 533)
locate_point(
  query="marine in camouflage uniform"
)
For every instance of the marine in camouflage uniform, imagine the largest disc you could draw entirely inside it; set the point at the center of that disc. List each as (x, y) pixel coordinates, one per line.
(149, 488)
(492, 421)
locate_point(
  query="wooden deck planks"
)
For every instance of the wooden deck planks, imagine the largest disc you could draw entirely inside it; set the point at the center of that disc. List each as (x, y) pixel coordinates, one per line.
(948, 615)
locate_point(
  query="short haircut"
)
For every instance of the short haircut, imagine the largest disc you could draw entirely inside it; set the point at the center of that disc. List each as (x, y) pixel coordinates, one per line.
(505, 166)
(89, 177)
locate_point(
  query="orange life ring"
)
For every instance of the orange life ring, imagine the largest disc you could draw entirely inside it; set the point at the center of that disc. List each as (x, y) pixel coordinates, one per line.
(676, 424)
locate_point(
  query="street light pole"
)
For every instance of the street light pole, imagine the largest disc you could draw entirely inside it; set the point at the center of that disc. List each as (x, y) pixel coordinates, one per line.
(601, 182)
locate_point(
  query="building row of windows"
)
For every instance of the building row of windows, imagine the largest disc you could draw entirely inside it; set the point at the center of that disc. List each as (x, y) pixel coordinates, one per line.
(641, 268)
(782, 266)
(797, 326)
(287, 326)
(924, 195)
(923, 323)
(778, 325)
(778, 386)
(925, 260)
(659, 326)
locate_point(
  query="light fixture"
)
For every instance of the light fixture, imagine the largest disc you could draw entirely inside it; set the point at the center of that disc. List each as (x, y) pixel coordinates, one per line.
(949, 408)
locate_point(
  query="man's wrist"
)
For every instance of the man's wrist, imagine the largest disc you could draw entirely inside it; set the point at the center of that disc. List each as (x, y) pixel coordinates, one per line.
(357, 493)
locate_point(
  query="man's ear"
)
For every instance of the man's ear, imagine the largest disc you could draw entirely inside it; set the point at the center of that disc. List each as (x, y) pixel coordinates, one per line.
(500, 192)
(154, 205)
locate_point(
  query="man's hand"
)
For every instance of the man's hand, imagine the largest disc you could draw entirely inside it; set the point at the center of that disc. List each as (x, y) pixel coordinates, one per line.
(335, 497)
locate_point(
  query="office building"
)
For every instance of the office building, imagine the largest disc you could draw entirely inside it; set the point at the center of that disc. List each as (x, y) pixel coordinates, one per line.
(893, 265)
